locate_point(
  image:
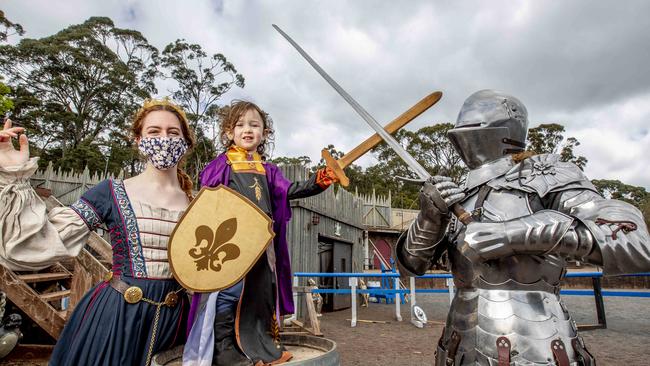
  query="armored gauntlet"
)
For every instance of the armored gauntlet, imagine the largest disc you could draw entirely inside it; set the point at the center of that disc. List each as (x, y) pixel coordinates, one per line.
(416, 249)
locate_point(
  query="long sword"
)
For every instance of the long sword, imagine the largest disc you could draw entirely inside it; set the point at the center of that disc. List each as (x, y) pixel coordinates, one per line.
(408, 159)
(399, 150)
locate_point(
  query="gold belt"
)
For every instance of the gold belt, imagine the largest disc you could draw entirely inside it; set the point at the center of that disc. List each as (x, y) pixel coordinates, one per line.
(134, 294)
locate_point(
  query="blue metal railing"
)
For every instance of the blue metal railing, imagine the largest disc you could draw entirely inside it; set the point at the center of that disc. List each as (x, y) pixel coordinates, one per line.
(596, 277)
(448, 275)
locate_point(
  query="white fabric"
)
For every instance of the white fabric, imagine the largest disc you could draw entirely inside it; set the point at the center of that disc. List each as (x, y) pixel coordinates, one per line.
(30, 238)
(199, 346)
(155, 225)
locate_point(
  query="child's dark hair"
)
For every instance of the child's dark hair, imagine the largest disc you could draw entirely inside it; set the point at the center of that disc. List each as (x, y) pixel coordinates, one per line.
(228, 117)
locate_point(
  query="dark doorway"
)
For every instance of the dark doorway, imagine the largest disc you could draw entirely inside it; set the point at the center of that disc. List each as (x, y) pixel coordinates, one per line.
(335, 255)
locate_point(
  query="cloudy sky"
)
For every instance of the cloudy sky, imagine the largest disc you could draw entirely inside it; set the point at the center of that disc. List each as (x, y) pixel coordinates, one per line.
(584, 64)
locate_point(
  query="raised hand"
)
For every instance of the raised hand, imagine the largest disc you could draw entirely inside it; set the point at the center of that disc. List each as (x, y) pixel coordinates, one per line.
(9, 156)
(438, 194)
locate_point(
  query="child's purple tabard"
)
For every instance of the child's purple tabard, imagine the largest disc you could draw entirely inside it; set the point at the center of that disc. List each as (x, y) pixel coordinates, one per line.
(218, 172)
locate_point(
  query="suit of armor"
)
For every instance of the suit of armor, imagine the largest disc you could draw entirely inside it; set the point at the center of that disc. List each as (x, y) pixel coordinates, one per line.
(530, 215)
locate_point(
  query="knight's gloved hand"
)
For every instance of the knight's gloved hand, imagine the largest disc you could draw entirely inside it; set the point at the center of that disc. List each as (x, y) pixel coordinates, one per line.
(438, 194)
(543, 232)
(417, 249)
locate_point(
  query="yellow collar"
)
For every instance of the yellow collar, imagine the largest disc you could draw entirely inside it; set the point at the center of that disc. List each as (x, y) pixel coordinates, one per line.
(240, 159)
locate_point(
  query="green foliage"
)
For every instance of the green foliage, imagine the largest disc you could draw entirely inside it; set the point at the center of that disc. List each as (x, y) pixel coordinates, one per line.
(285, 160)
(201, 80)
(645, 210)
(76, 91)
(615, 189)
(548, 139)
(429, 145)
(204, 151)
(5, 103)
(8, 29)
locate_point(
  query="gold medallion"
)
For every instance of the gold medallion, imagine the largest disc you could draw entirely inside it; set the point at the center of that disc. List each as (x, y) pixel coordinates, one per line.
(171, 299)
(133, 294)
(108, 276)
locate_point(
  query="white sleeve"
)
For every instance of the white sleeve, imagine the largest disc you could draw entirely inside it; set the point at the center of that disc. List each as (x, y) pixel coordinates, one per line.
(31, 238)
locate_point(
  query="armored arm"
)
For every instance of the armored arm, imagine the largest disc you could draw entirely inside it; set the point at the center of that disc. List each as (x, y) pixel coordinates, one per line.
(619, 235)
(571, 219)
(416, 249)
(581, 225)
(543, 232)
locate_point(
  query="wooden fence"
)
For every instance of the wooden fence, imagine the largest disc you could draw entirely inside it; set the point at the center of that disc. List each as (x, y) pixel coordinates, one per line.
(360, 210)
(67, 186)
(377, 210)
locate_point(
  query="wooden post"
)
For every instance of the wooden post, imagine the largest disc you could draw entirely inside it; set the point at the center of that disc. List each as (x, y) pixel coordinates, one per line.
(452, 291)
(600, 304)
(85, 178)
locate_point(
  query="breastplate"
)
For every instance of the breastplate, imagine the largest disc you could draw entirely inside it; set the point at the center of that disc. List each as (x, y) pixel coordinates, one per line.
(516, 296)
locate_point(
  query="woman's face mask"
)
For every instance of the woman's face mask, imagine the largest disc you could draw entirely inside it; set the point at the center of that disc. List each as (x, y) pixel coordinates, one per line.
(163, 152)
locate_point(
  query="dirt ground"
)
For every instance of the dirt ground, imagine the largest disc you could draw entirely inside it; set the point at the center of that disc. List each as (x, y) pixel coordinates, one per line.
(626, 341)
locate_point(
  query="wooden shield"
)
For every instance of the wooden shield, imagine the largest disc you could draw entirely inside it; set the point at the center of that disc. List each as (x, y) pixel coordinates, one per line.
(218, 239)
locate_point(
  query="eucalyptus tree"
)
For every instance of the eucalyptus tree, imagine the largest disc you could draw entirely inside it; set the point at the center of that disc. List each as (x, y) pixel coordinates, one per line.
(76, 91)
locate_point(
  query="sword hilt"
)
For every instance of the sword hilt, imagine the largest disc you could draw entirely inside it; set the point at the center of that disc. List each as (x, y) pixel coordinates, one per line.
(334, 165)
(458, 210)
(462, 215)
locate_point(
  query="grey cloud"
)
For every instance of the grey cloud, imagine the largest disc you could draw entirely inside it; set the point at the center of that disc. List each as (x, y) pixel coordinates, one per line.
(579, 63)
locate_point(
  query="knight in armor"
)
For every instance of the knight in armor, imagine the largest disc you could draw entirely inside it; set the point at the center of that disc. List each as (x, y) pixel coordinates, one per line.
(530, 215)
(246, 315)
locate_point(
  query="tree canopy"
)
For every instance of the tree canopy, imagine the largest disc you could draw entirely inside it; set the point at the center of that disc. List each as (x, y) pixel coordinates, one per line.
(548, 138)
(7, 29)
(76, 91)
(201, 80)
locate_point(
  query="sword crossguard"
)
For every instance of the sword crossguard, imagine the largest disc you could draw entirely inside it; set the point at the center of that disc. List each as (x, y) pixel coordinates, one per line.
(334, 165)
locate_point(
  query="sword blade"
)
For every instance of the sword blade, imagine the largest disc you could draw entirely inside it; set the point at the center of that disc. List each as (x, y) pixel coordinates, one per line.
(390, 140)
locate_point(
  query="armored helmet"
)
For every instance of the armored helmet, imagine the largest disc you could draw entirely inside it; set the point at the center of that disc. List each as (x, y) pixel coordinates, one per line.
(490, 124)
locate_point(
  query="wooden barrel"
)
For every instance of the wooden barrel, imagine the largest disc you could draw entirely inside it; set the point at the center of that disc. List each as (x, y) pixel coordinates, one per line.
(310, 350)
(307, 351)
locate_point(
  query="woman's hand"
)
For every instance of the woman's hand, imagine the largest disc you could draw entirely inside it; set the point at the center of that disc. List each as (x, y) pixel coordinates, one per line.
(9, 156)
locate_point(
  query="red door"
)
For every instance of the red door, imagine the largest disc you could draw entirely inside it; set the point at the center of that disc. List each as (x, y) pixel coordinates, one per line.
(384, 249)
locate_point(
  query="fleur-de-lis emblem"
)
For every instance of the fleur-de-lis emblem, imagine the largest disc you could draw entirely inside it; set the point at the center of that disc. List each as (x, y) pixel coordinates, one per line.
(217, 251)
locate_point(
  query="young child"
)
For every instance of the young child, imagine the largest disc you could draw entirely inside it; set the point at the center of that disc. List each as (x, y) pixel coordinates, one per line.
(246, 315)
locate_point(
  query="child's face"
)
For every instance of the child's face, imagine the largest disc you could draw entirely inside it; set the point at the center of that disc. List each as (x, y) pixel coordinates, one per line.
(248, 131)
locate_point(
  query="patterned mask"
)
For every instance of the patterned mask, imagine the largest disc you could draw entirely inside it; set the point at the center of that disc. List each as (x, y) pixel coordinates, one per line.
(163, 152)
